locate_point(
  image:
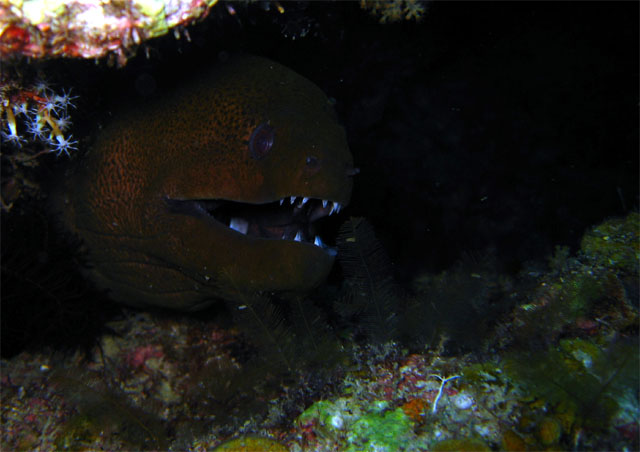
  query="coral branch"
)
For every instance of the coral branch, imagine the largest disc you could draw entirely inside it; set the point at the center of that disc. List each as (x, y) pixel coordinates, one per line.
(443, 381)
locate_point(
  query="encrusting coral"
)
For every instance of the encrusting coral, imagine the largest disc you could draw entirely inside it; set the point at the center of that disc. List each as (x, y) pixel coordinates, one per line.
(89, 28)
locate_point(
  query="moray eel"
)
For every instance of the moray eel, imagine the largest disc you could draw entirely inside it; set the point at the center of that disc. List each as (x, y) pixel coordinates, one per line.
(217, 184)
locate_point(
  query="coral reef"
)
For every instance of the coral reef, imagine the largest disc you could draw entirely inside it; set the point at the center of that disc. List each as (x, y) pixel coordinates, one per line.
(585, 387)
(546, 359)
(88, 28)
(151, 375)
(591, 294)
(462, 303)
(614, 244)
(94, 29)
(565, 377)
(157, 381)
(398, 402)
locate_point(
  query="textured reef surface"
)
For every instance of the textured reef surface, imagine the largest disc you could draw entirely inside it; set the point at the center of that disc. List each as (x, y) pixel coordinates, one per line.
(564, 377)
(484, 294)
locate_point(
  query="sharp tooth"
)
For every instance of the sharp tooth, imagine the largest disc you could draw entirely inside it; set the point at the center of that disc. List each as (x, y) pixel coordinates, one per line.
(281, 201)
(318, 242)
(304, 201)
(333, 207)
(338, 207)
(324, 203)
(292, 199)
(240, 225)
(298, 237)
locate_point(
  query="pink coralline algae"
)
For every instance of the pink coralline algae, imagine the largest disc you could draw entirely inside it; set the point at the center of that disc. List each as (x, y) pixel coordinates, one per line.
(138, 357)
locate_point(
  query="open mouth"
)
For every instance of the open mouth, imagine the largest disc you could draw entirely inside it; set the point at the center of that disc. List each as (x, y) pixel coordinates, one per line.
(292, 218)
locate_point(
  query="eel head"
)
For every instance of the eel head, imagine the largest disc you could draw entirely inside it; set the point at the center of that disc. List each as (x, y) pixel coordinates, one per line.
(218, 185)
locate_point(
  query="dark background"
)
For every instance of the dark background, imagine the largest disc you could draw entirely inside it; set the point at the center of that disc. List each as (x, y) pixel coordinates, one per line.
(503, 128)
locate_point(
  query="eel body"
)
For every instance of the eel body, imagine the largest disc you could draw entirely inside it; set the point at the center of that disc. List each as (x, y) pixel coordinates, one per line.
(216, 184)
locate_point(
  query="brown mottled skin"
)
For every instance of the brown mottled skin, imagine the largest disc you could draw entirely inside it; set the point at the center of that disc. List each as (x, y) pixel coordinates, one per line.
(194, 145)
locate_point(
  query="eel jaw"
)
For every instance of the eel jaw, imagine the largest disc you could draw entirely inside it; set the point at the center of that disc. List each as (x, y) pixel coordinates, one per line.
(290, 219)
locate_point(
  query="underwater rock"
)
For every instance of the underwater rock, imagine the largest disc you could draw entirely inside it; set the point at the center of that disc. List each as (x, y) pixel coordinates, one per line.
(90, 28)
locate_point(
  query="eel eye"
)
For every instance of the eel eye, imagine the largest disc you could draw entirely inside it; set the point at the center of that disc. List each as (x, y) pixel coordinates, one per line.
(312, 162)
(261, 141)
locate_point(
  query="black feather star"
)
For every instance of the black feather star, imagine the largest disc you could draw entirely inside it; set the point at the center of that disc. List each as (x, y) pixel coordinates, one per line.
(371, 299)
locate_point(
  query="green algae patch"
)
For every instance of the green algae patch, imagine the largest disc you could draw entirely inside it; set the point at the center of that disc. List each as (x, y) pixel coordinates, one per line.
(251, 444)
(388, 431)
(578, 376)
(370, 427)
(482, 373)
(580, 291)
(334, 416)
(464, 444)
(614, 243)
(320, 411)
(580, 354)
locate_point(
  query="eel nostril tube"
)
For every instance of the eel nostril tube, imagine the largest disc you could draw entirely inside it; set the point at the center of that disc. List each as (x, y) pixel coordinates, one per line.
(351, 171)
